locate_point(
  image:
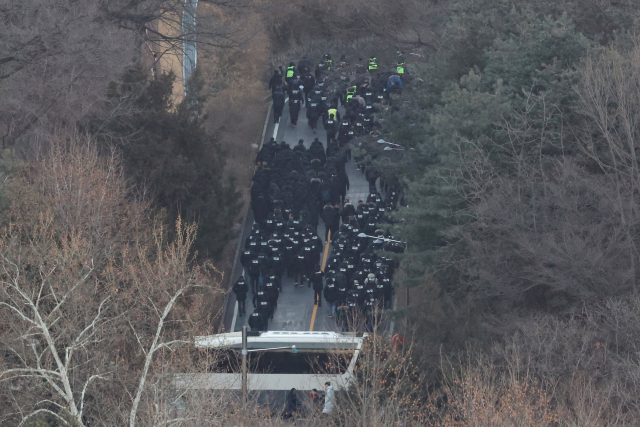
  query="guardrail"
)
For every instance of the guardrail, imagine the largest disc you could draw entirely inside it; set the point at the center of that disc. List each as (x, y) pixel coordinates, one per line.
(189, 51)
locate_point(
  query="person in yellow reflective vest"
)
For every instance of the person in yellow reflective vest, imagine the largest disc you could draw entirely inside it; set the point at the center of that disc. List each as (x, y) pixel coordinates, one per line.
(373, 63)
(291, 72)
(333, 111)
(400, 64)
(351, 92)
(328, 62)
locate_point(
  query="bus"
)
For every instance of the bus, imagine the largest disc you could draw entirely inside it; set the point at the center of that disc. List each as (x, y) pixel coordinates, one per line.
(278, 361)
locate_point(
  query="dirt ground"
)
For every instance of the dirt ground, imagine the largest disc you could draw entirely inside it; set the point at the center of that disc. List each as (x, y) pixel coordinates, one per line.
(168, 59)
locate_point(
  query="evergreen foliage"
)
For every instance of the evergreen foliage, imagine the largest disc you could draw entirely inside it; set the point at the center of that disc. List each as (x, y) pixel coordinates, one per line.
(168, 152)
(497, 171)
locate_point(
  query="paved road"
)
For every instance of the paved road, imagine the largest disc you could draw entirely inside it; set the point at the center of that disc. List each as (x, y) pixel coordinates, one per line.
(295, 305)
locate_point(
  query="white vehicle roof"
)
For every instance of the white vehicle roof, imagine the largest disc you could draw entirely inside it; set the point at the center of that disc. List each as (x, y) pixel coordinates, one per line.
(259, 381)
(275, 339)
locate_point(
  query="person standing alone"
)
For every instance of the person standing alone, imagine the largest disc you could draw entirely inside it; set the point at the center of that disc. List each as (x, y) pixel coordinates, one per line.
(329, 399)
(316, 281)
(278, 103)
(241, 289)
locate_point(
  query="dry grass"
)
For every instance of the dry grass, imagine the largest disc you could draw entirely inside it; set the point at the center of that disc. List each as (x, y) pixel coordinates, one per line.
(236, 112)
(169, 60)
(236, 107)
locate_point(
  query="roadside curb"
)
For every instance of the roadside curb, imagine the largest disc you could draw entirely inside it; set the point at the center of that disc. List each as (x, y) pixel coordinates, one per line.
(244, 224)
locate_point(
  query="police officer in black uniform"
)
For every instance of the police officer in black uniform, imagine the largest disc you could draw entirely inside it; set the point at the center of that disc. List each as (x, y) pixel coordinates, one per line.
(240, 289)
(257, 321)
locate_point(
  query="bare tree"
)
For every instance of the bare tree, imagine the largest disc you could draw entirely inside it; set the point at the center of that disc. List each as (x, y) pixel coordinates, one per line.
(586, 363)
(540, 229)
(409, 23)
(58, 57)
(93, 299)
(387, 387)
(475, 392)
(609, 92)
(143, 17)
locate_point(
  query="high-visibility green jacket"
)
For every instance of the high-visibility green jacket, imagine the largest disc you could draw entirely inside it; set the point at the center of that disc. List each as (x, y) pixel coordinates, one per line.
(291, 71)
(373, 64)
(351, 92)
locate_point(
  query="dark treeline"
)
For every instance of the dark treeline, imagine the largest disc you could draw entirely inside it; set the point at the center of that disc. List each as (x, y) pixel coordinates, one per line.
(167, 151)
(520, 131)
(521, 183)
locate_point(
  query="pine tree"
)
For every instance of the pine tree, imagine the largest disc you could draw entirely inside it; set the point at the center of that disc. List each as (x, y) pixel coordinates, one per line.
(168, 151)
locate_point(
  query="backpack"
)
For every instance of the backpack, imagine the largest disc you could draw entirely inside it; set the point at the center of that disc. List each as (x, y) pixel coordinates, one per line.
(326, 195)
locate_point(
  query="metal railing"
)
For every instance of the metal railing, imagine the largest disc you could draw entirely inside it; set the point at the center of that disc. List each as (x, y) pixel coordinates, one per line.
(189, 51)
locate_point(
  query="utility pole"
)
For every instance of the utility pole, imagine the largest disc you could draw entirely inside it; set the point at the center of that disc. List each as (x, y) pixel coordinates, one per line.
(244, 366)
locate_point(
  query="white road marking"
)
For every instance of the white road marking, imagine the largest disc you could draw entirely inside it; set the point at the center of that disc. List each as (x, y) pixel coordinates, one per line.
(235, 316)
(275, 129)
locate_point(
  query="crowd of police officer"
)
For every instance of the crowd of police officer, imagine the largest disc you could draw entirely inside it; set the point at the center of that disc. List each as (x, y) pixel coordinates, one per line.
(294, 188)
(328, 87)
(358, 282)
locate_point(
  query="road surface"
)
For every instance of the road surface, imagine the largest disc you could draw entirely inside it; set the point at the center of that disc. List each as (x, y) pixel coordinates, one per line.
(295, 310)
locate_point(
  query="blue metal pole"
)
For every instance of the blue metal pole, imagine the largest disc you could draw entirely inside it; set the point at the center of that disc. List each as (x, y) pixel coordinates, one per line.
(190, 54)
